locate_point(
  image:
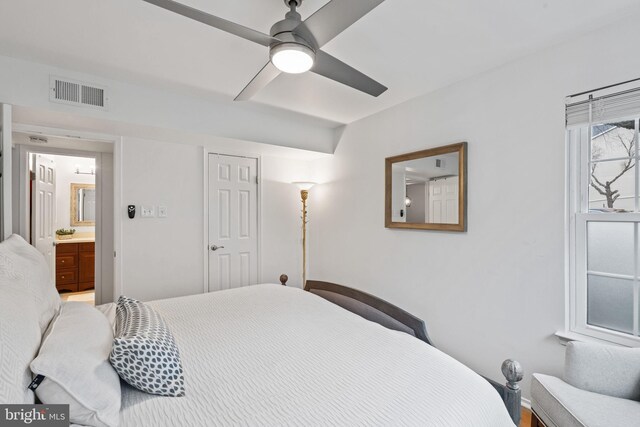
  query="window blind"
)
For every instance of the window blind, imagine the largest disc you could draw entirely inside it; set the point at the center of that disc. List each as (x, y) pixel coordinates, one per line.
(604, 109)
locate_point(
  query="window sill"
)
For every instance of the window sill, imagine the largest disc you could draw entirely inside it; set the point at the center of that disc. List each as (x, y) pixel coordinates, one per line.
(566, 336)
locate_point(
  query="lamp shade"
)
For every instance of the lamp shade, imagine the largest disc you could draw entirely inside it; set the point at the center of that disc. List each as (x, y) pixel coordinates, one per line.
(303, 185)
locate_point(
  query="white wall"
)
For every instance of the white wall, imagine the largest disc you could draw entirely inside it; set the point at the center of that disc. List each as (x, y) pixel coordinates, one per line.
(65, 176)
(26, 84)
(164, 257)
(498, 290)
(418, 209)
(164, 166)
(281, 216)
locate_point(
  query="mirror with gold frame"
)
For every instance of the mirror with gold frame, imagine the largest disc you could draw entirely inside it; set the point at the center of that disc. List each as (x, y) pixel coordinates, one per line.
(83, 205)
(427, 190)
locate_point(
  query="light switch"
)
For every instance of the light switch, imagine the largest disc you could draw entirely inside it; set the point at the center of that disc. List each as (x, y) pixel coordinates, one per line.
(162, 211)
(147, 211)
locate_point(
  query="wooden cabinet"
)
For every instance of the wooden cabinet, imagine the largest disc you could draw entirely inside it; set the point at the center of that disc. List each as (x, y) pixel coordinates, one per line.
(66, 261)
(67, 279)
(86, 266)
(75, 266)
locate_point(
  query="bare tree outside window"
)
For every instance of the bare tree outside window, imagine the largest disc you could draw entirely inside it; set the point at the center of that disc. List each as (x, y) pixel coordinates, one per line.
(623, 144)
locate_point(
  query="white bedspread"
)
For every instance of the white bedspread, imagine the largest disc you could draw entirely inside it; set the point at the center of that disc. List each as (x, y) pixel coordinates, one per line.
(269, 355)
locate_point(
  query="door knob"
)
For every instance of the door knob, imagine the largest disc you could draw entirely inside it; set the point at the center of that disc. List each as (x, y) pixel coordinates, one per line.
(215, 248)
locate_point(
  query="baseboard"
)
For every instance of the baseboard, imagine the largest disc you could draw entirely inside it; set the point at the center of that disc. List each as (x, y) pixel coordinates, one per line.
(526, 403)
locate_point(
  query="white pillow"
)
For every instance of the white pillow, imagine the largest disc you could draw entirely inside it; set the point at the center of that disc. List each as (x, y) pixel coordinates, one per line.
(74, 358)
(23, 267)
(20, 338)
(109, 310)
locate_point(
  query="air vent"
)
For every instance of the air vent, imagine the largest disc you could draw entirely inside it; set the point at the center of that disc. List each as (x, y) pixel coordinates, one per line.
(67, 91)
(92, 96)
(73, 92)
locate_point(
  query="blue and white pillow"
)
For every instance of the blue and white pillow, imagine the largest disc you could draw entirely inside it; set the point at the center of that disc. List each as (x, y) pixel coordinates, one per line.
(144, 351)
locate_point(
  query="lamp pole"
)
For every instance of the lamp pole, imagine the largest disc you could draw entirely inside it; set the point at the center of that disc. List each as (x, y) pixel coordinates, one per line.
(304, 194)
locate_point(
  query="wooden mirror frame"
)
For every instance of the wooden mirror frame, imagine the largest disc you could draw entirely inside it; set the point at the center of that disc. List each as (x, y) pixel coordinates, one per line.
(74, 205)
(461, 149)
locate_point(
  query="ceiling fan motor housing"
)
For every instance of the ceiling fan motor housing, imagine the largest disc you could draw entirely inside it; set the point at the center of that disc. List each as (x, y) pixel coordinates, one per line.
(284, 30)
(294, 48)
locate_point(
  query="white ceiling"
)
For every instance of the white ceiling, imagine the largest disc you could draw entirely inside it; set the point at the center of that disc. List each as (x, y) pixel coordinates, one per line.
(425, 168)
(411, 46)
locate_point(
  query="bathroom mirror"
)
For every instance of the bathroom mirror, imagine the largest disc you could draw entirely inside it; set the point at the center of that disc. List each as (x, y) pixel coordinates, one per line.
(427, 189)
(83, 205)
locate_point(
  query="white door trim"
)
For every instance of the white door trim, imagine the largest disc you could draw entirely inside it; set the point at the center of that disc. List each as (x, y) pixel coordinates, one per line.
(117, 197)
(206, 153)
(70, 134)
(23, 195)
(118, 215)
(5, 147)
(205, 220)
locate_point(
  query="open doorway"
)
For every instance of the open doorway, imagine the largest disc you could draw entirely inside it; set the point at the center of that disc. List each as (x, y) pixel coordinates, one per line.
(62, 211)
(64, 195)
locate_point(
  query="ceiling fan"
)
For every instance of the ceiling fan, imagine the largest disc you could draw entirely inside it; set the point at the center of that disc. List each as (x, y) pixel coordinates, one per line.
(294, 45)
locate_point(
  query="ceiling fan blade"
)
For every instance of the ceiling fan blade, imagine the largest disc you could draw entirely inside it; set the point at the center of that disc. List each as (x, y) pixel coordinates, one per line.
(334, 69)
(335, 17)
(214, 21)
(263, 78)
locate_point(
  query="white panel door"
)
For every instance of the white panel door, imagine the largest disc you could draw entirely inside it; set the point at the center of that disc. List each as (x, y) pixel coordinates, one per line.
(443, 201)
(435, 202)
(44, 208)
(6, 225)
(450, 200)
(233, 222)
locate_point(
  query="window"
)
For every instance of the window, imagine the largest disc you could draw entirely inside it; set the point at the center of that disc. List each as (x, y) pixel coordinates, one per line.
(603, 217)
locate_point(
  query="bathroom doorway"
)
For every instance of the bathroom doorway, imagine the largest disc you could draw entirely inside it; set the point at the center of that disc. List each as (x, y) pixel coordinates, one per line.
(66, 212)
(63, 220)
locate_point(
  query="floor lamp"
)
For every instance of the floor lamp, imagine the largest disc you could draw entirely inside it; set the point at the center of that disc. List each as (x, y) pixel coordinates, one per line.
(304, 194)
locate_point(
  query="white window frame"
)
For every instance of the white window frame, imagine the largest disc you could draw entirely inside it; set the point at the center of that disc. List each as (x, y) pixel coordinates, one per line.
(578, 158)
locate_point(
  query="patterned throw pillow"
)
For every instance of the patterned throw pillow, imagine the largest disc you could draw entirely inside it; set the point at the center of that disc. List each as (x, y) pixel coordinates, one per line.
(144, 352)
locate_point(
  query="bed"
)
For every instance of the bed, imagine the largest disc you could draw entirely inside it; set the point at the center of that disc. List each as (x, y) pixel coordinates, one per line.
(270, 355)
(263, 355)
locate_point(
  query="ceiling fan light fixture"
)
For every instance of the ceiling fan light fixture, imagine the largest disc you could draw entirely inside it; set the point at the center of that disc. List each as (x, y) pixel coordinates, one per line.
(292, 58)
